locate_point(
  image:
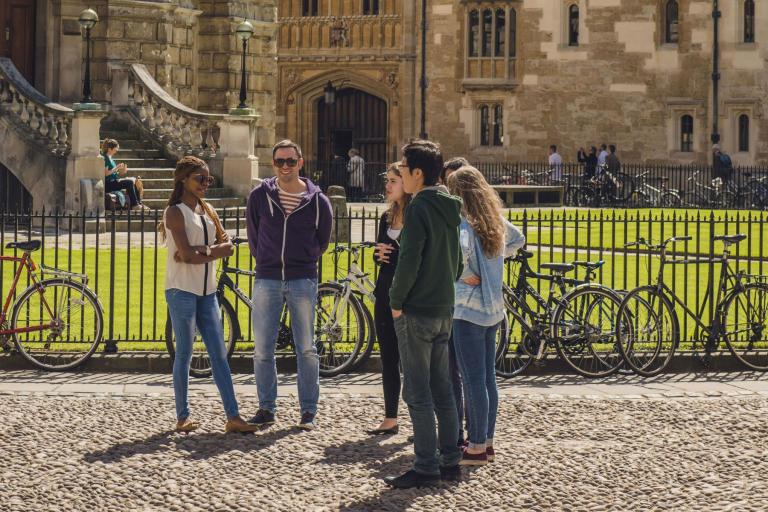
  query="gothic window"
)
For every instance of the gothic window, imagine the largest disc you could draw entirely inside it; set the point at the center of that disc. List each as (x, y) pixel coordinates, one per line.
(487, 32)
(491, 125)
(501, 31)
(498, 125)
(371, 7)
(573, 25)
(309, 8)
(474, 32)
(749, 21)
(744, 133)
(671, 25)
(686, 133)
(484, 126)
(490, 46)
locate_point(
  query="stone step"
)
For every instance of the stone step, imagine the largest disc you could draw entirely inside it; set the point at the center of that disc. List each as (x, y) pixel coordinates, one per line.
(141, 152)
(131, 143)
(145, 163)
(150, 172)
(165, 193)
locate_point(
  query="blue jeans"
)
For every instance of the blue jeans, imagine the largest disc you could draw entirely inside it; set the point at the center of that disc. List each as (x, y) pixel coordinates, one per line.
(268, 298)
(427, 390)
(190, 312)
(475, 347)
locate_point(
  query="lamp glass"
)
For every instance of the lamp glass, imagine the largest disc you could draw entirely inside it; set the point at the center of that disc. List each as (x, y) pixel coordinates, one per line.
(244, 30)
(88, 18)
(330, 93)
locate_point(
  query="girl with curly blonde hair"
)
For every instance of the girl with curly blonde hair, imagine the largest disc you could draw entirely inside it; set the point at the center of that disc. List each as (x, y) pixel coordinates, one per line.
(486, 238)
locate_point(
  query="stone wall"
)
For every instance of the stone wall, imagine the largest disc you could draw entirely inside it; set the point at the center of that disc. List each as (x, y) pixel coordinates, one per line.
(620, 85)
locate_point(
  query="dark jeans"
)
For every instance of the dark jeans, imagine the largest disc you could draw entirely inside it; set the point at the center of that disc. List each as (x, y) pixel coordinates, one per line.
(125, 184)
(427, 389)
(476, 353)
(458, 390)
(390, 356)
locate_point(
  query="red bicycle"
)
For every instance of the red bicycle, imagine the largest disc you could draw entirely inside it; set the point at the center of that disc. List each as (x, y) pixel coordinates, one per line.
(56, 323)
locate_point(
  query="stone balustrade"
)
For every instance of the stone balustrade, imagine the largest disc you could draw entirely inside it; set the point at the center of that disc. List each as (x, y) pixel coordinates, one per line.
(182, 130)
(46, 123)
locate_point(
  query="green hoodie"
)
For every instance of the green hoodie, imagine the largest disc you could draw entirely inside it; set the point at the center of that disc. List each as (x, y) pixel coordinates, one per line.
(430, 257)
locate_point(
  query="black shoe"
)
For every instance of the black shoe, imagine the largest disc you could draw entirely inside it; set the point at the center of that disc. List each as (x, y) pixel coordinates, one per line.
(263, 418)
(307, 421)
(451, 474)
(383, 431)
(411, 479)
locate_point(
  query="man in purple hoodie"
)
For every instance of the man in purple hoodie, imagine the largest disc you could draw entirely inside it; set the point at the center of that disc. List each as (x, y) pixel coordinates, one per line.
(289, 228)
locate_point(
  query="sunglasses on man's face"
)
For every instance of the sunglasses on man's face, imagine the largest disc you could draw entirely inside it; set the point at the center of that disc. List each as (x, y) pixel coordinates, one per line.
(204, 180)
(290, 162)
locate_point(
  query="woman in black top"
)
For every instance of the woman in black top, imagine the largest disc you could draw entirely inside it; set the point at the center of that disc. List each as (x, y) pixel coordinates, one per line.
(390, 225)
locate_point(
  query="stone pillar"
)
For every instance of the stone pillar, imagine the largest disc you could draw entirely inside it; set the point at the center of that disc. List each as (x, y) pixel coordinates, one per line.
(239, 166)
(85, 168)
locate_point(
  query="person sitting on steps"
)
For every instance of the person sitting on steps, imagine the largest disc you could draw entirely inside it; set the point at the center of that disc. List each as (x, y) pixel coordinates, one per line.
(114, 179)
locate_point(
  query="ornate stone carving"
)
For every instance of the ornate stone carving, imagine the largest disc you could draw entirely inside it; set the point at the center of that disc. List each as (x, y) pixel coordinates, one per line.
(339, 36)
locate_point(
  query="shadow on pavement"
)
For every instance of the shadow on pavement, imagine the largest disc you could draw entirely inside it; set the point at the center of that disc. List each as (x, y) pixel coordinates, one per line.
(198, 446)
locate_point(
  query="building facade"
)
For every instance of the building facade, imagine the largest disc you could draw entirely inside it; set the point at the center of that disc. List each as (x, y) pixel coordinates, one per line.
(507, 78)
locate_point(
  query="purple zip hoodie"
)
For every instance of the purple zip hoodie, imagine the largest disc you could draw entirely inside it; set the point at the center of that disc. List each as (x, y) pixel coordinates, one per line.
(288, 247)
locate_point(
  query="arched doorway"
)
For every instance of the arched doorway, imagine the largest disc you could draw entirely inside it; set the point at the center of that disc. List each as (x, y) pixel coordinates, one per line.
(14, 198)
(356, 119)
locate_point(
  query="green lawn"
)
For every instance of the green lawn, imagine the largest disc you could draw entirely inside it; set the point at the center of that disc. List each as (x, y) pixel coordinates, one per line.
(136, 308)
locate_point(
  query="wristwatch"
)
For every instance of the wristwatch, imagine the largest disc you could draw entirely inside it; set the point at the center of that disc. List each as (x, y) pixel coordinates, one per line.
(207, 250)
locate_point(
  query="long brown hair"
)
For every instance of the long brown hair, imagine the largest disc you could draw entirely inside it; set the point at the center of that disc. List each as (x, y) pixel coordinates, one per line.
(184, 168)
(394, 207)
(482, 208)
(107, 145)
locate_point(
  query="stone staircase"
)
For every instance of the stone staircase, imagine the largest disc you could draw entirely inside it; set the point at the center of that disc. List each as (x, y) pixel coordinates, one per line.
(150, 162)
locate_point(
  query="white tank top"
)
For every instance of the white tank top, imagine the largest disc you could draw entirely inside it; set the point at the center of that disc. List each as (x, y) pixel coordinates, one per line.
(193, 278)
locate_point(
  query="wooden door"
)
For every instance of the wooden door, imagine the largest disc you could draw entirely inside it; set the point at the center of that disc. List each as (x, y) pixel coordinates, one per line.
(17, 35)
(354, 112)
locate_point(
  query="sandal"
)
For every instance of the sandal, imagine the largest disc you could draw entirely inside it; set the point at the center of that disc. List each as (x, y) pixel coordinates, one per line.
(187, 425)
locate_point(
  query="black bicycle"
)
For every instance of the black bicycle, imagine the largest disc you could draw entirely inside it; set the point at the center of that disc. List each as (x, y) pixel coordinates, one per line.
(331, 339)
(578, 319)
(649, 340)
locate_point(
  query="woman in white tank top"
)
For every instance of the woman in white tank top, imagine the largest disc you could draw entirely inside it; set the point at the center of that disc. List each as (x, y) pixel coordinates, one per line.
(195, 239)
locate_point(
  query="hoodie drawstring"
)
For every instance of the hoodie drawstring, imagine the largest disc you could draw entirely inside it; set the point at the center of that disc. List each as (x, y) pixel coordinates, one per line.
(317, 212)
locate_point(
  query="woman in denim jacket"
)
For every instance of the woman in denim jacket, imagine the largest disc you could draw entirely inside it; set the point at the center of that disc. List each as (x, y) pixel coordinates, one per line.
(485, 239)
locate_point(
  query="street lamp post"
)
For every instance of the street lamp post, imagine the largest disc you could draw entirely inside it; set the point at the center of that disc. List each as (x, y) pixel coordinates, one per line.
(715, 71)
(87, 20)
(244, 31)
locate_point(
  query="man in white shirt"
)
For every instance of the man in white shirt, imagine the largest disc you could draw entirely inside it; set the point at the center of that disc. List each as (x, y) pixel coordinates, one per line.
(555, 164)
(601, 158)
(356, 173)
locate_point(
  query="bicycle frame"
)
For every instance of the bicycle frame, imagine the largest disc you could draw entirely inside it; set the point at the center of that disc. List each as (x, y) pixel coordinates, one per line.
(729, 283)
(26, 263)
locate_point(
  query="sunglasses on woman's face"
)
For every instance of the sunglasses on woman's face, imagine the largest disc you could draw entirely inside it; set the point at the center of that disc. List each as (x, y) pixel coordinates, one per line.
(290, 162)
(204, 180)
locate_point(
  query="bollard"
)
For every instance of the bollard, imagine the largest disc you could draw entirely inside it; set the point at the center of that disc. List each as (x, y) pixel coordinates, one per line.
(338, 198)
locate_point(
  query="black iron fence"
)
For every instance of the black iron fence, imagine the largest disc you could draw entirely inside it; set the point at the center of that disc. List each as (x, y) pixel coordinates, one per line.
(125, 258)
(633, 185)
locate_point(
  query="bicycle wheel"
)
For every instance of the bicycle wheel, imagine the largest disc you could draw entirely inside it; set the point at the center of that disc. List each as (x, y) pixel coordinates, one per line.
(516, 346)
(693, 200)
(67, 321)
(647, 331)
(584, 329)
(340, 329)
(745, 325)
(200, 366)
(669, 200)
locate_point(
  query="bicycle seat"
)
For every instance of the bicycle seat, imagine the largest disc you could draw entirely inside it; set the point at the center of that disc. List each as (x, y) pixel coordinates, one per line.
(730, 239)
(558, 268)
(525, 254)
(30, 246)
(589, 264)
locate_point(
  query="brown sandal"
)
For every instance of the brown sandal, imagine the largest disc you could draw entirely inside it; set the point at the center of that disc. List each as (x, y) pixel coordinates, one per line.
(238, 424)
(187, 425)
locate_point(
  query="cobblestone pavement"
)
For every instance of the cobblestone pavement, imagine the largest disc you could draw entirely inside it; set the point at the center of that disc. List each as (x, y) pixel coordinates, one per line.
(101, 449)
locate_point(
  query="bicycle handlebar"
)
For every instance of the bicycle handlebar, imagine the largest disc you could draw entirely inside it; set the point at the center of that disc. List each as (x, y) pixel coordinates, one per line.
(239, 240)
(663, 245)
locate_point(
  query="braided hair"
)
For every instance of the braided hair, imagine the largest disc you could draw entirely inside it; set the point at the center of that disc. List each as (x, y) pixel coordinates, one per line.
(184, 168)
